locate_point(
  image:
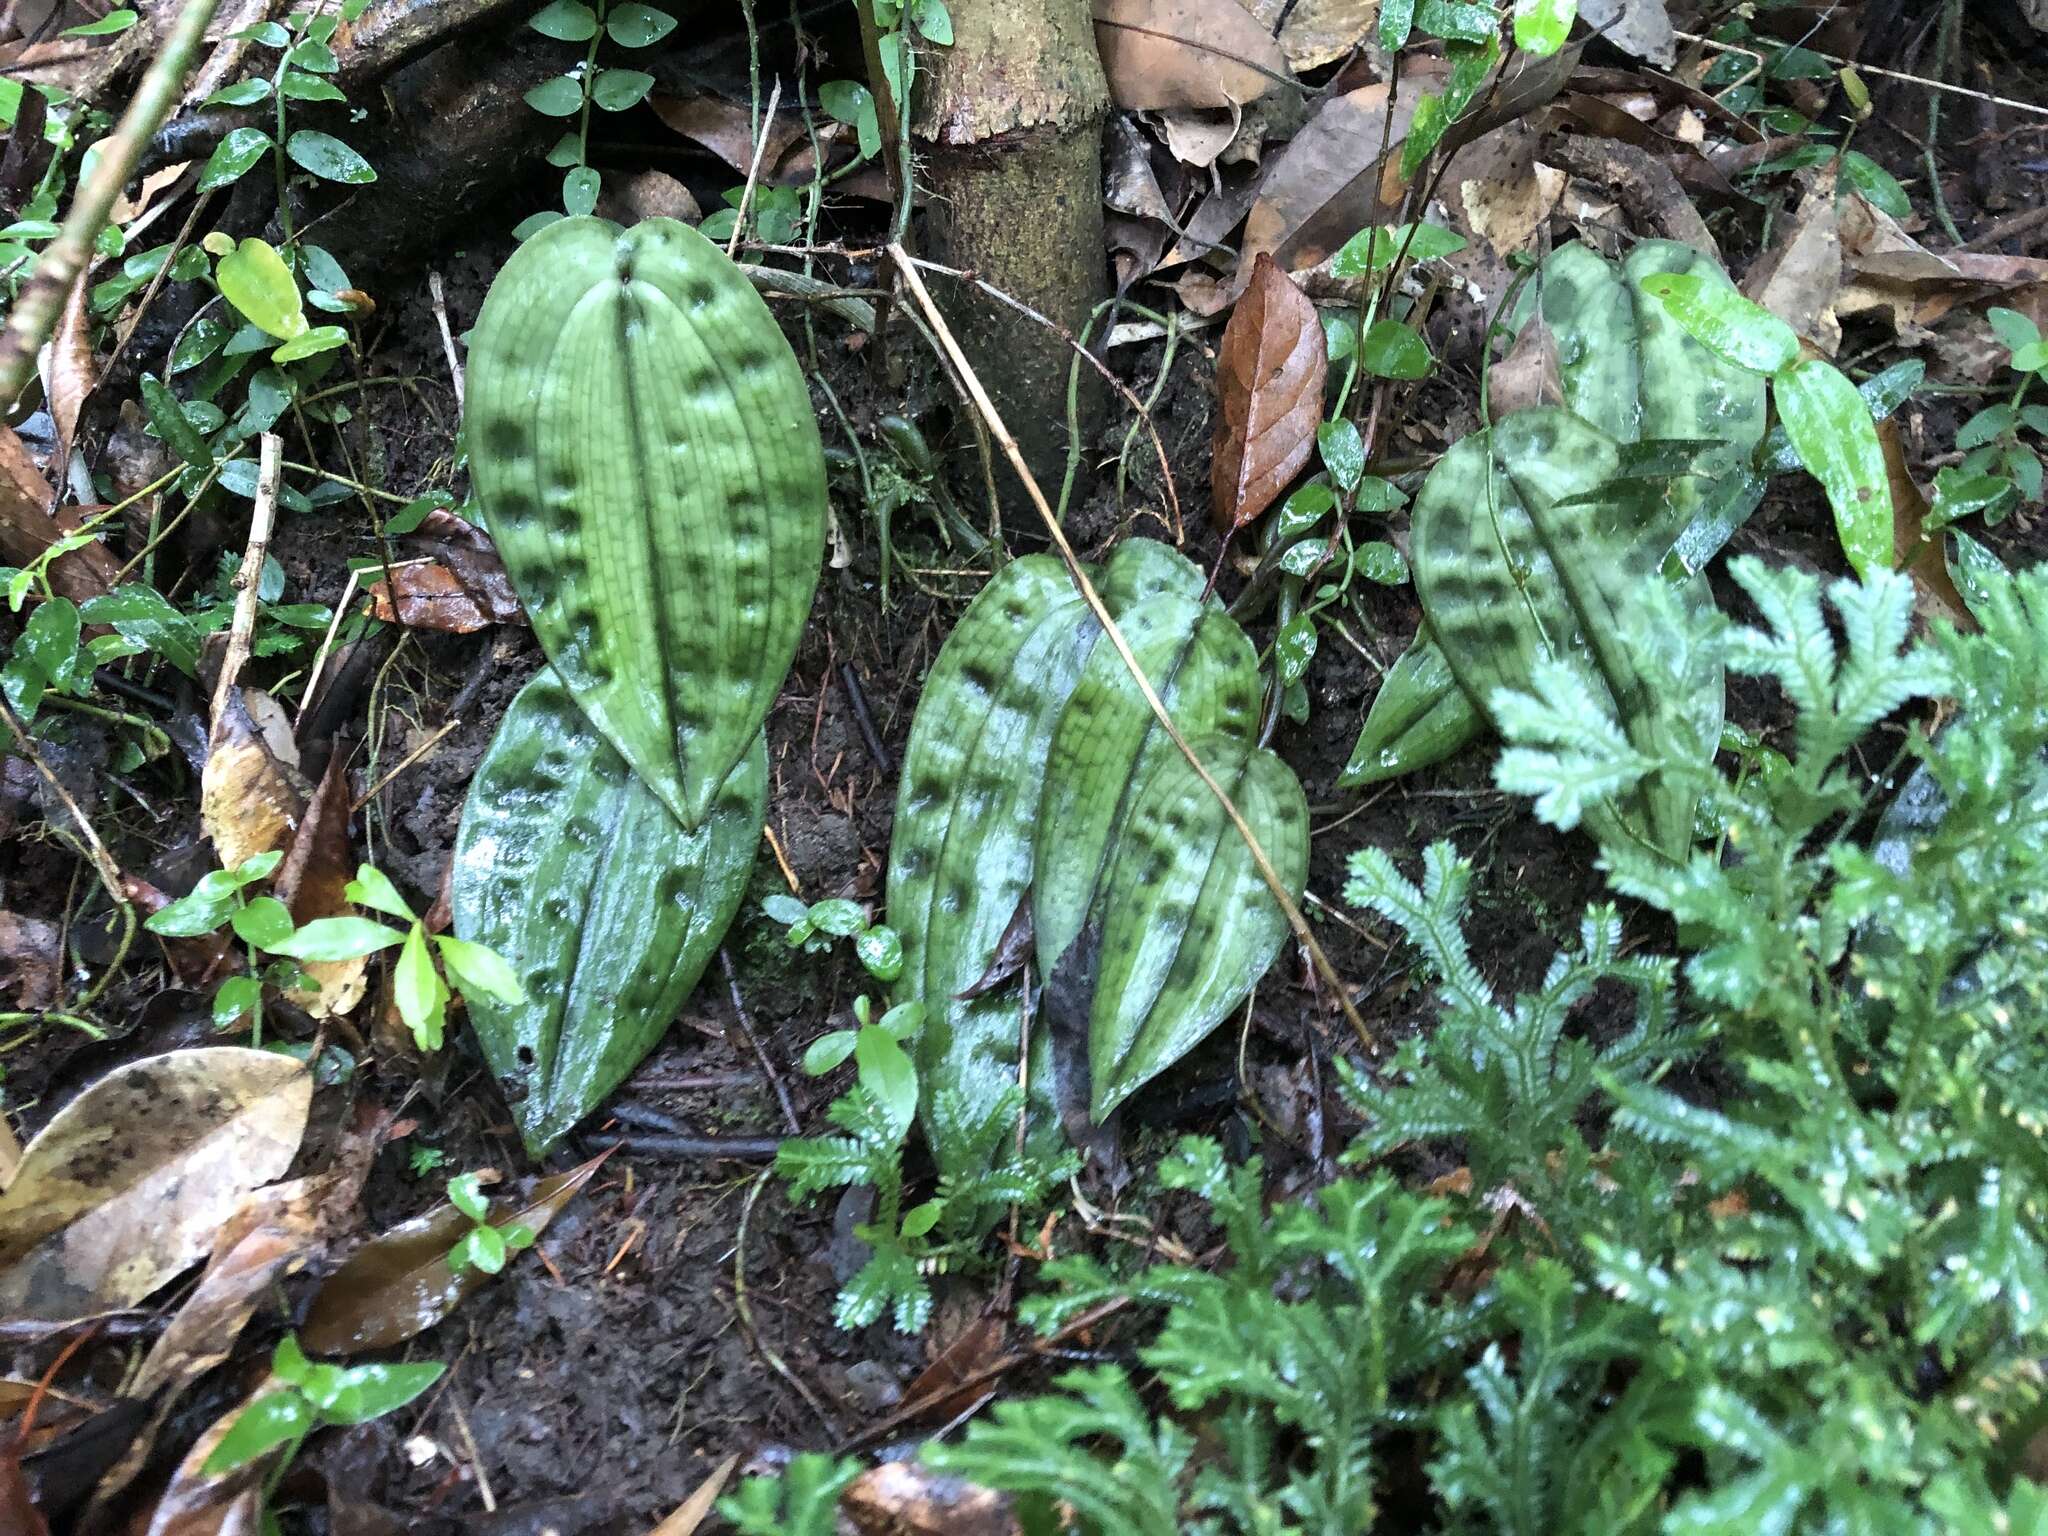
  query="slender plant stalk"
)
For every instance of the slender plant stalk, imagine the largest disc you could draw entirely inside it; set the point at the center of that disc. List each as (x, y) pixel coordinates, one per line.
(42, 299)
(1015, 454)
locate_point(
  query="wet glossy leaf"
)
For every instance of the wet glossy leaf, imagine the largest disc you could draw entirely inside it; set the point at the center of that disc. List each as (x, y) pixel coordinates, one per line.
(399, 1284)
(1830, 426)
(614, 90)
(126, 1187)
(1374, 250)
(1876, 185)
(338, 938)
(603, 906)
(645, 452)
(1391, 351)
(328, 158)
(1188, 924)
(233, 156)
(1270, 370)
(637, 26)
(262, 1426)
(321, 338)
(886, 1072)
(1722, 320)
(567, 21)
(560, 97)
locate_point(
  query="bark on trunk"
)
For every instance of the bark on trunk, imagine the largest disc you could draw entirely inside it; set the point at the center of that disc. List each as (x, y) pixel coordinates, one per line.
(1009, 123)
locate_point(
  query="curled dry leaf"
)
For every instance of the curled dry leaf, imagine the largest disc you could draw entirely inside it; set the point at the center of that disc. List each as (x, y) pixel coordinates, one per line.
(726, 129)
(1799, 277)
(129, 1184)
(67, 367)
(1915, 552)
(28, 527)
(249, 801)
(312, 880)
(461, 587)
(1317, 32)
(1326, 184)
(954, 1382)
(400, 1284)
(1528, 375)
(1270, 372)
(1163, 54)
(29, 960)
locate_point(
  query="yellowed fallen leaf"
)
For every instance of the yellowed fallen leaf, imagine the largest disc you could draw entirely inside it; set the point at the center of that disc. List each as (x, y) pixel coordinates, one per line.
(128, 1185)
(248, 801)
(1161, 54)
(312, 881)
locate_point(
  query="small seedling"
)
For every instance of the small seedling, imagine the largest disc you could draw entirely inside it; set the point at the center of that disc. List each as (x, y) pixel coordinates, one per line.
(484, 1246)
(813, 926)
(313, 1396)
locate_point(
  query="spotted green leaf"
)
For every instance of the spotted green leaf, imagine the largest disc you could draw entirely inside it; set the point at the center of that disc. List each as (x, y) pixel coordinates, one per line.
(645, 455)
(1525, 548)
(602, 905)
(962, 854)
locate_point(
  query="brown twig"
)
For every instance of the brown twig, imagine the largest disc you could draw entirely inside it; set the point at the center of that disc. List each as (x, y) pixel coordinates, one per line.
(739, 223)
(42, 299)
(908, 267)
(739, 1010)
(447, 335)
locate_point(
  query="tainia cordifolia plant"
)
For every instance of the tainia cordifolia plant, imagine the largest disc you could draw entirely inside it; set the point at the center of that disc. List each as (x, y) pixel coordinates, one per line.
(583, 86)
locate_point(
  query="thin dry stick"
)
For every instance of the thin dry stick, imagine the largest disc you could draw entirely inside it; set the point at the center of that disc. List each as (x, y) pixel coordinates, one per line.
(1015, 455)
(42, 300)
(270, 469)
(739, 1009)
(739, 223)
(447, 335)
(1871, 69)
(326, 649)
(404, 763)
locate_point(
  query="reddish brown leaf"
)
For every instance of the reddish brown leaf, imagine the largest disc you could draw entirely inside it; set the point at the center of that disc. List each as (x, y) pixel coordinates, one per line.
(312, 880)
(1270, 371)
(430, 596)
(398, 1285)
(459, 587)
(938, 1393)
(1013, 949)
(28, 527)
(1916, 553)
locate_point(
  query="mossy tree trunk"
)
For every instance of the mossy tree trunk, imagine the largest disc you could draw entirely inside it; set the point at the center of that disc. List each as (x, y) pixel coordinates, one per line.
(1008, 123)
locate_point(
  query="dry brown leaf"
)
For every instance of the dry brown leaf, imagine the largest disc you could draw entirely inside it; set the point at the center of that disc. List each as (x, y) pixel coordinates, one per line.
(28, 527)
(1270, 370)
(400, 1284)
(429, 596)
(905, 1498)
(249, 802)
(1799, 277)
(1129, 184)
(1319, 32)
(648, 195)
(1640, 27)
(1891, 271)
(128, 1185)
(726, 128)
(1196, 137)
(29, 960)
(1164, 54)
(950, 1385)
(312, 881)
(1914, 551)
(68, 370)
(1325, 185)
(1528, 375)
(690, 1514)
